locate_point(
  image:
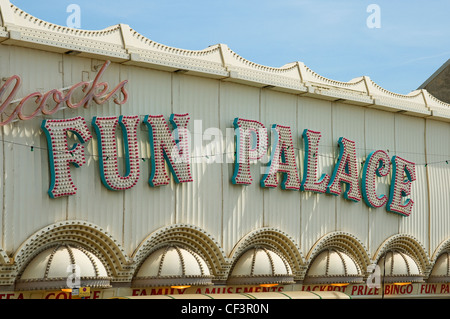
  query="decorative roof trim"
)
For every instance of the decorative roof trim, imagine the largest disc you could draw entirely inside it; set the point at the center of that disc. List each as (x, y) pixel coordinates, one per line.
(61, 283)
(261, 279)
(409, 245)
(287, 277)
(333, 279)
(143, 282)
(82, 233)
(344, 242)
(170, 280)
(122, 44)
(49, 282)
(389, 277)
(187, 236)
(327, 278)
(277, 240)
(443, 278)
(443, 247)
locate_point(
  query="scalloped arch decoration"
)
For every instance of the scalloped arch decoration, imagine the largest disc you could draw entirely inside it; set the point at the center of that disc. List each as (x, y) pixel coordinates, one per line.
(275, 239)
(188, 236)
(344, 241)
(7, 269)
(407, 244)
(83, 233)
(444, 246)
(4, 259)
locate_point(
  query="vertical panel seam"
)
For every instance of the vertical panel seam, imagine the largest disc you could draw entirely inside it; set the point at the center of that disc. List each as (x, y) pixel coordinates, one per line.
(263, 193)
(3, 189)
(428, 186)
(224, 151)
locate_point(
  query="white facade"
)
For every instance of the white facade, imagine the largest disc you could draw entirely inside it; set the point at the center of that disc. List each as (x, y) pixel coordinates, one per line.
(210, 215)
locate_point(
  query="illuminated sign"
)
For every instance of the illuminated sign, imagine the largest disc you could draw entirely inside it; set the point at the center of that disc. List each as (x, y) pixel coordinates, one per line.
(173, 148)
(107, 150)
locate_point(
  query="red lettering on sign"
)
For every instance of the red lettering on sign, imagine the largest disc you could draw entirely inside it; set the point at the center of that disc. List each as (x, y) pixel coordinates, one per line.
(62, 295)
(135, 292)
(156, 292)
(445, 289)
(398, 290)
(428, 289)
(360, 290)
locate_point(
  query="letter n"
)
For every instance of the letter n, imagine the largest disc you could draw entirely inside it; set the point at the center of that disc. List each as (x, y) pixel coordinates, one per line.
(172, 148)
(105, 127)
(60, 156)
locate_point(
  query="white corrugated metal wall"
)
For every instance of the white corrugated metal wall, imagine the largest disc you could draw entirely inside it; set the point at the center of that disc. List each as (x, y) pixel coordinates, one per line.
(226, 211)
(379, 134)
(438, 153)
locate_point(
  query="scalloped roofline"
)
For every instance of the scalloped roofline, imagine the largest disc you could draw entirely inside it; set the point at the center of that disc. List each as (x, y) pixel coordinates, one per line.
(122, 44)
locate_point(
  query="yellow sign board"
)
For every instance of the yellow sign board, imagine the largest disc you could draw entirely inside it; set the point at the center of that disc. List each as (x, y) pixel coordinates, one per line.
(81, 292)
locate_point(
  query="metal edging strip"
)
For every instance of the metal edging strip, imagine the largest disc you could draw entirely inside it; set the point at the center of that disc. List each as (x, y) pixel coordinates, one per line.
(320, 297)
(285, 295)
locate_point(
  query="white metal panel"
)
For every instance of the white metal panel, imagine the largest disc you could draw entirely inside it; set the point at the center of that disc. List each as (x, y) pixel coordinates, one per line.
(242, 205)
(149, 91)
(200, 202)
(26, 173)
(4, 71)
(410, 145)
(380, 135)
(93, 201)
(147, 208)
(318, 215)
(348, 122)
(438, 159)
(281, 207)
(78, 69)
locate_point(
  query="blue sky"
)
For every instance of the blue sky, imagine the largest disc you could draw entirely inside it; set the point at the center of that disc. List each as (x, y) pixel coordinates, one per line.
(331, 37)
